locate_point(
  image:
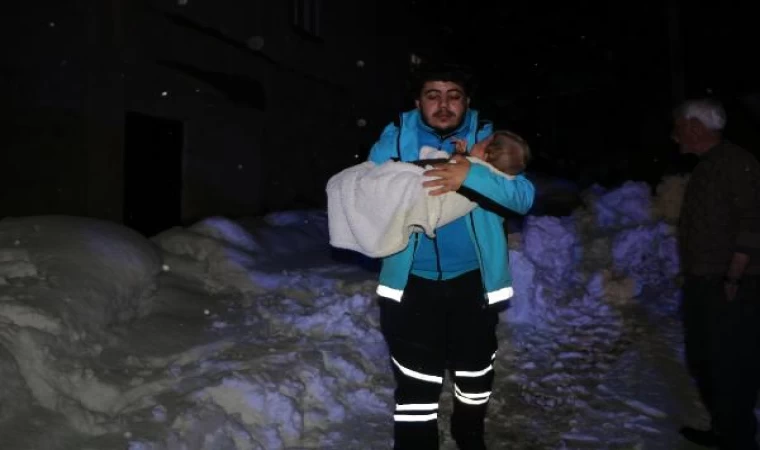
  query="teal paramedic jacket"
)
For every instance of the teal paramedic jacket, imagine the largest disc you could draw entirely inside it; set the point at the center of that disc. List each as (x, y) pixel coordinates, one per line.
(485, 226)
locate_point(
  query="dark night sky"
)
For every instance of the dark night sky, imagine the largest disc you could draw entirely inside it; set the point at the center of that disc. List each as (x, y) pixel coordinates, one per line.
(593, 73)
(590, 84)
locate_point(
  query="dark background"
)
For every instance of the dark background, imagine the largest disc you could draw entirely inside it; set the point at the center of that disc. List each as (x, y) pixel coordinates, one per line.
(591, 84)
(160, 112)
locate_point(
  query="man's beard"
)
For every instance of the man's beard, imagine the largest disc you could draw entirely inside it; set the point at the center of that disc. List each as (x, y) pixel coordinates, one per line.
(447, 130)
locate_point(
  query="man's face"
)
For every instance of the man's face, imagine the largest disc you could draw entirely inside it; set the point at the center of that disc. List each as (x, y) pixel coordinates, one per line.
(687, 133)
(443, 105)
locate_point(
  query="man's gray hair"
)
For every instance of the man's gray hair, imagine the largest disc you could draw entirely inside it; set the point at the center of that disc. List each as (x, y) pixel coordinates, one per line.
(708, 111)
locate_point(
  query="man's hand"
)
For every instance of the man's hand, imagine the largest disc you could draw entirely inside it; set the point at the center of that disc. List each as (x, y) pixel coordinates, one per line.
(478, 150)
(739, 262)
(730, 289)
(460, 146)
(449, 177)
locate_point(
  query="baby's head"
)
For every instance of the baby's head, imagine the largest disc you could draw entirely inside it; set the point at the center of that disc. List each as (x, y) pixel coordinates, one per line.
(508, 152)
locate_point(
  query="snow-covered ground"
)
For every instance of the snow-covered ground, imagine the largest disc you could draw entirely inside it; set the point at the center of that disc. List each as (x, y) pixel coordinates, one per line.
(253, 335)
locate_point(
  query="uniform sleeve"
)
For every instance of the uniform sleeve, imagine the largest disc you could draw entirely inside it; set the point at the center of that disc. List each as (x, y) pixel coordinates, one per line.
(385, 147)
(516, 194)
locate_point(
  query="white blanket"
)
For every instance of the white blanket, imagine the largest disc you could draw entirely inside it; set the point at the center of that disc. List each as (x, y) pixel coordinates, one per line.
(374, 209)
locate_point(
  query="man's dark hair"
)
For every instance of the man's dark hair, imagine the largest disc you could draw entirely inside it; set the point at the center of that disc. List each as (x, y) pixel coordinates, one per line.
(455, 73)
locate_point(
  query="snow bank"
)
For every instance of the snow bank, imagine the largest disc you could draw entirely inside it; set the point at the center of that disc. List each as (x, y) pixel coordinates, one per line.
(62, 281)
(621, 242)
(667, 203)
(295, 396)
(223, 255)
(79, 274)
(295, 358)
(568, 271)
(573, 272)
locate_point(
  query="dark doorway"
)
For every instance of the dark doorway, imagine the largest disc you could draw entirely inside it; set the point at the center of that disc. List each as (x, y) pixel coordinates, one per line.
(152, 173)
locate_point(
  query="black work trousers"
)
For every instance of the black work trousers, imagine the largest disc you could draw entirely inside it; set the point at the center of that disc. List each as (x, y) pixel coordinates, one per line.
(721, 339)
(440, 325)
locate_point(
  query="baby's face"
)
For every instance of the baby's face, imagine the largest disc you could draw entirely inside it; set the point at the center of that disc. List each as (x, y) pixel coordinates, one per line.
(506, 155)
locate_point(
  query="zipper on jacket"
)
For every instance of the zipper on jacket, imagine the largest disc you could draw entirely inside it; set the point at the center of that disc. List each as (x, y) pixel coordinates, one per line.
(441, 140)
(437, 258)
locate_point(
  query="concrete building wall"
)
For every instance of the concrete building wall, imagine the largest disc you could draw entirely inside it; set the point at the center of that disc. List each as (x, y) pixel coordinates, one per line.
(269, 112)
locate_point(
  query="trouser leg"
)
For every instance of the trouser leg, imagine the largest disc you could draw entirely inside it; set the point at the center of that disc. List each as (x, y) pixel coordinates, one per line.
(697, 338)
(414, 331)
(722, 353)
(472, 349)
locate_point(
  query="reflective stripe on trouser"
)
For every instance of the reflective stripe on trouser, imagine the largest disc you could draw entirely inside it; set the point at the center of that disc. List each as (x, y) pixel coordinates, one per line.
(473, 381)
(418, 387)
(473, 387)
(417, 393)
(439, 325)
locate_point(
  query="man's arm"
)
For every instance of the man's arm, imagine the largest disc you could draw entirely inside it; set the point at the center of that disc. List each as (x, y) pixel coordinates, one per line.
(492, 188)
(481, 184)
(516, 194)
(385, 147)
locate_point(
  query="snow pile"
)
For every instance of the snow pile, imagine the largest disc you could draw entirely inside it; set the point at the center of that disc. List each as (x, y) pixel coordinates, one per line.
(62, 281)
(224, 255)
(576, 279)
(298, 379)
(288, 232)
(80, 273)
(543, 268)
(273, 358)
(627, 206)
(580, 283)
(606, 253)
(667, 204)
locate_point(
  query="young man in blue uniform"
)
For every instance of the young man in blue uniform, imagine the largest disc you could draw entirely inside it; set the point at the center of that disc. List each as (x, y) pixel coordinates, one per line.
(440, 297)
